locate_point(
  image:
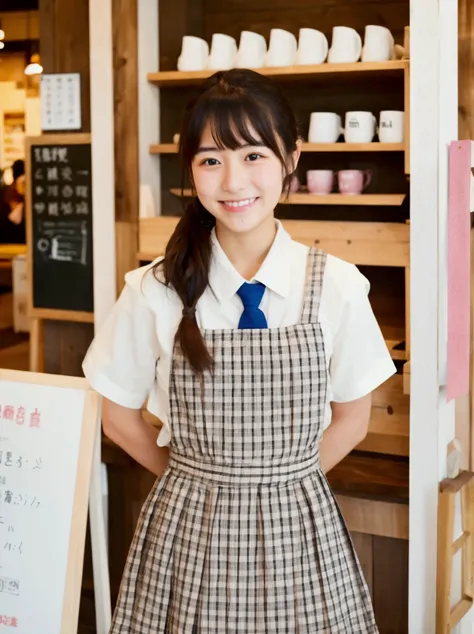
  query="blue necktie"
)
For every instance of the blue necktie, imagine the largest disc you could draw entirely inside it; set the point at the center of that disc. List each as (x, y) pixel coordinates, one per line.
(251, 296)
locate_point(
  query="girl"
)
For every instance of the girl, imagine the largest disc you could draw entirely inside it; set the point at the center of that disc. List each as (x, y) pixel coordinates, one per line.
(246, 344)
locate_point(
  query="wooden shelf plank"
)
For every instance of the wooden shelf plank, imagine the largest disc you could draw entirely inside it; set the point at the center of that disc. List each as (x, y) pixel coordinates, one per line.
(171, 148)
(397, 355)
(287, 73)
(391, 200)
(362, 243)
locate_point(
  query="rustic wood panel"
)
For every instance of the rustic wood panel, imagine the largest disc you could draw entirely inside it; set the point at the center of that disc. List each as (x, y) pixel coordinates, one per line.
(125, 64)
(177, 18)
(262, 16)
(65, 344)
(364, 545)
(465, 70)
(65, 48)
(64, 44)
(390, 583)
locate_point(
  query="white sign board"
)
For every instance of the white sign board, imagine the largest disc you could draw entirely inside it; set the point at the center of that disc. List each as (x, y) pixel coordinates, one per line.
(61, 101)
(47, 434)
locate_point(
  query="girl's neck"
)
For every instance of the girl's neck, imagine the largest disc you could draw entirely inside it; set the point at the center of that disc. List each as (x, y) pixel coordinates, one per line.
(247, 251)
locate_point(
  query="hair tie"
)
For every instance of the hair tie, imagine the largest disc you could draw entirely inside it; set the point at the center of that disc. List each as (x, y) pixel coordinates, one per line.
(189, 312)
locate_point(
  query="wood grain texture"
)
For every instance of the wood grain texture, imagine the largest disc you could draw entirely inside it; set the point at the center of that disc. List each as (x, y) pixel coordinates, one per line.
(391, 585)
(177, 18)
(64, 44)
(65, 48)
(262, 16)
(125, 64)
(364, 546)
(465, 69)
(380, 477)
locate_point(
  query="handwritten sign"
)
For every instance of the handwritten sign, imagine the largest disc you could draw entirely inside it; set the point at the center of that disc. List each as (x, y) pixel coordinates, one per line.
(60, 226)
(47, 431)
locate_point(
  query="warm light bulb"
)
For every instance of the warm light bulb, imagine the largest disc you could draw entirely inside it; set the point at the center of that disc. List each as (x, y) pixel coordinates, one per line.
(2, 34)
(2, 45)
(33, 69)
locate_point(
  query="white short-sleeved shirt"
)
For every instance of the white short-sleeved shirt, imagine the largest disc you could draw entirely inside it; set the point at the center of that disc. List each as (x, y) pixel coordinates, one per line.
(129, 360)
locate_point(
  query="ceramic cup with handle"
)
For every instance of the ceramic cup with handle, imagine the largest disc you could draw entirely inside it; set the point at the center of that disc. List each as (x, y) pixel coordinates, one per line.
(353, 182)
(312, 47)
(346, 46)
(379, 45)
(391, 126)
(282, 48)
(252, 50)
(320, 181)
(194, 54)
(324, 127)
(294, 184)
(359, 127)
(223, 52)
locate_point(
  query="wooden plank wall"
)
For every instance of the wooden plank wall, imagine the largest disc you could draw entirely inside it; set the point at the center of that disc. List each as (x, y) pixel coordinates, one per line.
(466, 69)
(64, 47)
(125, 62)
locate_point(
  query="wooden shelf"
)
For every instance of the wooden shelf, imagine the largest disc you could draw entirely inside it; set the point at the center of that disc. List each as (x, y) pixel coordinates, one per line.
(390, 200)
(397, 355)
(288, 73)
(171, 148)
(361, 243)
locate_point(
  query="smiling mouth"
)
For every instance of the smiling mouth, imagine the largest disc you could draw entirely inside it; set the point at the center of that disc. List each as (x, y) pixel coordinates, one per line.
(237, 205)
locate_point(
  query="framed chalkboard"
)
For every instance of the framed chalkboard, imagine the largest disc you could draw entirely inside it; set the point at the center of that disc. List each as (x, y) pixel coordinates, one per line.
(59, 226)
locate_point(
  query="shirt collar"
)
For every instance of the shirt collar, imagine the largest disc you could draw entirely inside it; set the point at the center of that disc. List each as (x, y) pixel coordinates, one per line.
(274, 273)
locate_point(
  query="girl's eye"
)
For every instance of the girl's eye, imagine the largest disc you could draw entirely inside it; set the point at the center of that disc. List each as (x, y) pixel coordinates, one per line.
(254, 156)
(211, 162)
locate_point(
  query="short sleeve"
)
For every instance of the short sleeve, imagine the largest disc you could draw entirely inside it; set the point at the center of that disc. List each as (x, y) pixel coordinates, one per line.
(121, 361)
(360, 360)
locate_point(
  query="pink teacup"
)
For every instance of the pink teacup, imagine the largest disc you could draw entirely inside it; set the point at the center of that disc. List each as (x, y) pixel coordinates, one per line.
(294, 184)
(320, 181)
(353, 182)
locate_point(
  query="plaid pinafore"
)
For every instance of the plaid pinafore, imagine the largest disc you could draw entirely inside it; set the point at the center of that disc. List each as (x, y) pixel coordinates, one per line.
(242, 533)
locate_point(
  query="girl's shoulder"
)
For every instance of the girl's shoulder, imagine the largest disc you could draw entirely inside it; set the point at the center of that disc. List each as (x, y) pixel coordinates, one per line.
(147, 283)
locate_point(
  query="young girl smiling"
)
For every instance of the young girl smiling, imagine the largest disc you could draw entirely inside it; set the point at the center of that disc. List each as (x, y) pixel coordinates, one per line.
(259, 356)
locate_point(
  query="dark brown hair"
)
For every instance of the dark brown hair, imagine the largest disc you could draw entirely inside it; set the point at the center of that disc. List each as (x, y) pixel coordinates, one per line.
(234, 103)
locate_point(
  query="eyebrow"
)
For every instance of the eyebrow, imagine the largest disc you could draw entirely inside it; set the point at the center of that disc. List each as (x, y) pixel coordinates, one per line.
(213, 148)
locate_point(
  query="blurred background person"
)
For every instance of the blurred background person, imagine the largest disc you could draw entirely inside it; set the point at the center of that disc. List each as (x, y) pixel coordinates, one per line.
(12, 208)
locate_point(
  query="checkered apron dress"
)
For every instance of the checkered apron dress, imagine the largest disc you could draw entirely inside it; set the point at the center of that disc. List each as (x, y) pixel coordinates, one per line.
(242, 534)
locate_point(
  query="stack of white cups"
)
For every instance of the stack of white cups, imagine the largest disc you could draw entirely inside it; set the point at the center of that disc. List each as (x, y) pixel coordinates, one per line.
(284, 49)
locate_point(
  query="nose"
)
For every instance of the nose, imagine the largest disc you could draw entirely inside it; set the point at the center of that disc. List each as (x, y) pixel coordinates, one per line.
(234, 178)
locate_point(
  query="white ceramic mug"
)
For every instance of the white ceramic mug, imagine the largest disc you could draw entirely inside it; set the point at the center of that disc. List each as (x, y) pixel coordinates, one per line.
(312, 47)
(194, 54)
(379, 45)
(252, 50)
(359, 127)
(346, 46)
(324, 127)
(223, 52)
(282, 48)
(392, 126)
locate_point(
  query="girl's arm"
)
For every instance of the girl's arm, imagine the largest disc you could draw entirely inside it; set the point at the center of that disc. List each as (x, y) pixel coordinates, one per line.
(127, 429)
(349, 426)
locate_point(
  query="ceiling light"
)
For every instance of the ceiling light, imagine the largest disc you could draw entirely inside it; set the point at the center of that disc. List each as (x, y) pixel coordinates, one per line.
(34, 67)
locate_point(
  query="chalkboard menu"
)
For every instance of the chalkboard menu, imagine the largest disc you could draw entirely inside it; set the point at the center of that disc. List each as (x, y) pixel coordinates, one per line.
(60, 207)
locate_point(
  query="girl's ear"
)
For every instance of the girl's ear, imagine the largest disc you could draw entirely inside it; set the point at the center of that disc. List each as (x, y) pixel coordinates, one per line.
(295, 157)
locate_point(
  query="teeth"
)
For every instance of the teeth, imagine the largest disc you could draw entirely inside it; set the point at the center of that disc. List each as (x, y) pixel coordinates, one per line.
(240, 203)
